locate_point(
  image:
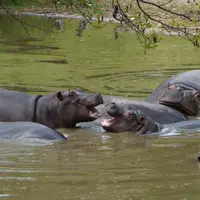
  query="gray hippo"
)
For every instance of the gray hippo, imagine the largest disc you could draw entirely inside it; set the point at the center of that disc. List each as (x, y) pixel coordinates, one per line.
(28, 130)
(61, 109)
(180, 92)
(127, 118)
(159, 113)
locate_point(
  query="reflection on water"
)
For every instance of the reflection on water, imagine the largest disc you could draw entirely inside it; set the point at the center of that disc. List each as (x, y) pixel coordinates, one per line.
(82, 25)
(91, 164)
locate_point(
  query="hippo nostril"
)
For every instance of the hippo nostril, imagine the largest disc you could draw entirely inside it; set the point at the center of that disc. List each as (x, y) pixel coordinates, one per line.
(113, 105)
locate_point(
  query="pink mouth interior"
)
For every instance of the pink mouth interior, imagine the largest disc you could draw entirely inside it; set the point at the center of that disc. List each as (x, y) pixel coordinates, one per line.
(109, 122)
(93, 112)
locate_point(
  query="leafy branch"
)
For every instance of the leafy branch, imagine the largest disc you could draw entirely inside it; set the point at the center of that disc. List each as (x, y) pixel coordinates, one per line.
(145, 17)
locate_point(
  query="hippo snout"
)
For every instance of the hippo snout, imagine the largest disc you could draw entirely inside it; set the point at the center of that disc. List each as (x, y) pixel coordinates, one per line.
(172, 97)
(99, 98)
(93, 100)
(113, 110)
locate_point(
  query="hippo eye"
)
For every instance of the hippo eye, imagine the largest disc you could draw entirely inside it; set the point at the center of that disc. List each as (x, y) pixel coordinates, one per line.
(72, 94)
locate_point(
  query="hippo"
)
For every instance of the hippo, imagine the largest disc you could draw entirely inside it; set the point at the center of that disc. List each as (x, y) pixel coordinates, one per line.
(127, 118)
(180, 92)
(62, 109)
(28, 130)
(159, 113)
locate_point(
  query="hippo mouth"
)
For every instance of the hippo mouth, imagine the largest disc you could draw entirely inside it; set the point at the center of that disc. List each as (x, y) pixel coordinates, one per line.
(93, 113)
(183, 101)
(107, 123)
(181, 108)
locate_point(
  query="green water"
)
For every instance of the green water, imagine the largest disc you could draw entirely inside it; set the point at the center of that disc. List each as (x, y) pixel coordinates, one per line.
(94, 165)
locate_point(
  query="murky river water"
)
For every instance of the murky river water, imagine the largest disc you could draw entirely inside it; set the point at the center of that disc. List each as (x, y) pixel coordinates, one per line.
(93, 165)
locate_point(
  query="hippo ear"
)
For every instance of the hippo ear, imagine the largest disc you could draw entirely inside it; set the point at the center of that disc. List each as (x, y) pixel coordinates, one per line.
(59, 96)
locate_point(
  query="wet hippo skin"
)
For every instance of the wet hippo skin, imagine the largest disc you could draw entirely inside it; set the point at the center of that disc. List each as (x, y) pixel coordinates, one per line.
(159, 113)
(28, 130)
(127, 118)
(61, 109)
(180, 92)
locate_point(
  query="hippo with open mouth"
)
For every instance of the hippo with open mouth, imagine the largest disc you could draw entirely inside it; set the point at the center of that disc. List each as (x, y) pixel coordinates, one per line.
(180, 92)
(127, 118)
(158, 112)
(62, 109)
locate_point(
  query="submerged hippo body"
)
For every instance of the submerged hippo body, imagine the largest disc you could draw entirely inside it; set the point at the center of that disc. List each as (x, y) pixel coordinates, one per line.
(180, 92)
(159, 113)
(61, 109)
(28, 130)
(126, 118)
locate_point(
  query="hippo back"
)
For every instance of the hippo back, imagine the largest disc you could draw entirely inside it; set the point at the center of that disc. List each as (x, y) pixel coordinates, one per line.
(21, 130)
(13, 101)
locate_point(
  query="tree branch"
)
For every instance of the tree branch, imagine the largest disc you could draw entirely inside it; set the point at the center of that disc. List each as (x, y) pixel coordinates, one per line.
(166, 10)
(24, 24)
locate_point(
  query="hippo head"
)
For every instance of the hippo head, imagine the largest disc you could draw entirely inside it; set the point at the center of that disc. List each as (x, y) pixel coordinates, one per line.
(76, 106)
(126, 118)
(184, 100)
